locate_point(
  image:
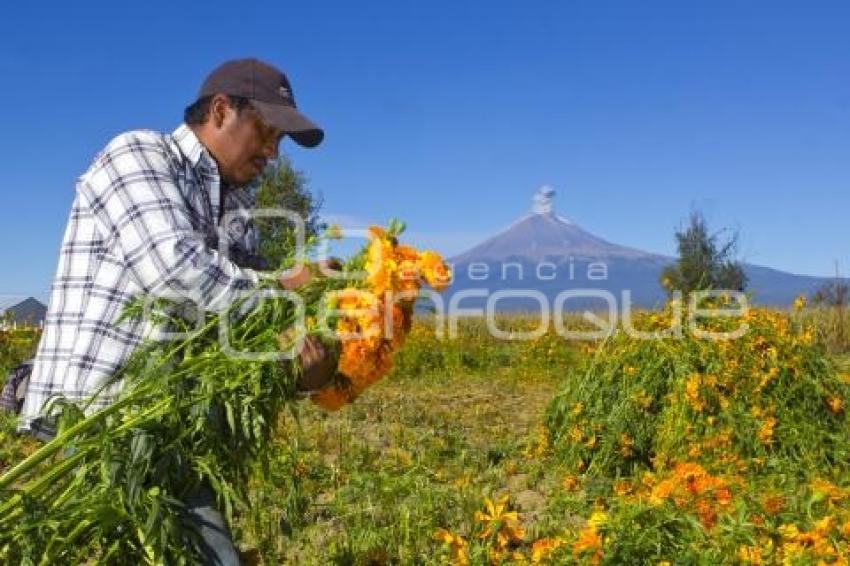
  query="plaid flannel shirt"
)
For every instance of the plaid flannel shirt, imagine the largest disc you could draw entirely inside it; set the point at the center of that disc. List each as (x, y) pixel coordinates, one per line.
(144, 221)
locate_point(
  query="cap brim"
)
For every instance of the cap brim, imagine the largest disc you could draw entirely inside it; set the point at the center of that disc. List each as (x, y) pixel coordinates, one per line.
(292, 122)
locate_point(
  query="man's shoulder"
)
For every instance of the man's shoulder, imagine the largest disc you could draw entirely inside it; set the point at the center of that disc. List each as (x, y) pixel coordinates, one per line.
(135, 148)
(138, 140)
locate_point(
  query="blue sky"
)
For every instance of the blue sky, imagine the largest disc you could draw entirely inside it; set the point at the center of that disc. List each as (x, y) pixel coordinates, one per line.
(451, 114)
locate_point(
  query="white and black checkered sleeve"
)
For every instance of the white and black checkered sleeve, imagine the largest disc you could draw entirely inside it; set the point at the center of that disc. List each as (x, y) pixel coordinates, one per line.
(133, 193)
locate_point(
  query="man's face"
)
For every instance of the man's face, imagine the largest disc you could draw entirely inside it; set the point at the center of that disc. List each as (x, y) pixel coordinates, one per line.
(243, 143)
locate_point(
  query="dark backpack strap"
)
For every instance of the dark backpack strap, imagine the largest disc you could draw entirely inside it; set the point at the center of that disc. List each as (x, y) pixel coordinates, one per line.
(12, 396)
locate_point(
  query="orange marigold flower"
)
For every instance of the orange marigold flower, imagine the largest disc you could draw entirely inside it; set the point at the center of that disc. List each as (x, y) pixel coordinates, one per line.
(458, 552)
(825, 489)
(749, 554)
(765, 432)
(692, 392)
(378, 233)
(363, 364)
(544, 547)
(406, 253)
(789, 532)
(331, 398)
(773, 504)
(835, 404)
(707, 514)
(662, 491)
(504, 524)
(372, 322)
(434, 270)
(589, 541)
(723, 497)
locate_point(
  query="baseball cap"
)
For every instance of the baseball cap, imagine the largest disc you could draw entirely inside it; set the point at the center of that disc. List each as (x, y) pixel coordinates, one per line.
(270, 93)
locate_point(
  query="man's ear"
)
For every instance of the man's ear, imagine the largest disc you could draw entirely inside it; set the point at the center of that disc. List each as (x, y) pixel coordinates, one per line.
(219, 106)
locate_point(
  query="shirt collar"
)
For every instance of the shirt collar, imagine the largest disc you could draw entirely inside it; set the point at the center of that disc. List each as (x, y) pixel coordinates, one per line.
(192, 148)
(201, 160)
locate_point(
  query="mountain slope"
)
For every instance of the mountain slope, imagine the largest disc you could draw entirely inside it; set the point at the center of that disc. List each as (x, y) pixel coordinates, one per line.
(544, 252)
(29, 311)
(546, 237)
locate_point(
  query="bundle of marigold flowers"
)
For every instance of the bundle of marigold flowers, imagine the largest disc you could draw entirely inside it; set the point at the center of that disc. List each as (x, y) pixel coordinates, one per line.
(109, 488)
(374, 318)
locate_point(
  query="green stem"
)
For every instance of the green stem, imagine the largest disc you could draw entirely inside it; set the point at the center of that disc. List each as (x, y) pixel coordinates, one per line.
(142, 417)
(163, 360)
(47, 557)
(35, 487)
(61, 441)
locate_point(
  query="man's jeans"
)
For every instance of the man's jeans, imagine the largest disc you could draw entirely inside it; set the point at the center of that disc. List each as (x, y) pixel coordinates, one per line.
(216, 543)
(217, 546)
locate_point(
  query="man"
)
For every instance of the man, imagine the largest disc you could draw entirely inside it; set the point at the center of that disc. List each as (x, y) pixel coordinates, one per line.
(145, 221)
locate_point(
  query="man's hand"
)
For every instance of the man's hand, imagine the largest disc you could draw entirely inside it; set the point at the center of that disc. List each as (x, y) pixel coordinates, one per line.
(318, 365)
(302, 274)
(296, 277)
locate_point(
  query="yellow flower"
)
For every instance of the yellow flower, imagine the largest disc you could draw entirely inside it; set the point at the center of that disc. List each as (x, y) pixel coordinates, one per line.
(457, 546)
(835, 404)
(773, 504)
(723, 497)
(504, 524)
(662, 491)
(369, 328)
(626, 444)
(434, 270)
(576, 434)
(597, 519)
(800, 303)
(791, 550)
(824, 489)
(543, 548)
(789, 532)
(749, 554)
(692, 392)
(589, 540)
(570, 483)
(824, 526)
(765, 432)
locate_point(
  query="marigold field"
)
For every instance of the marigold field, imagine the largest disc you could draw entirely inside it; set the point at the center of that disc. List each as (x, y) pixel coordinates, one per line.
(622, 451)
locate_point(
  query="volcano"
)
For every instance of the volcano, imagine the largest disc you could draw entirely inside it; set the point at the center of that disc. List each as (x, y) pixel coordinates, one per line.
(542, 235)
(543, 254)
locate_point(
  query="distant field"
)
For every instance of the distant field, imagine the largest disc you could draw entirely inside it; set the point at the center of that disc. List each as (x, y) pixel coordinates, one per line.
(834, 327)
(16, 346)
